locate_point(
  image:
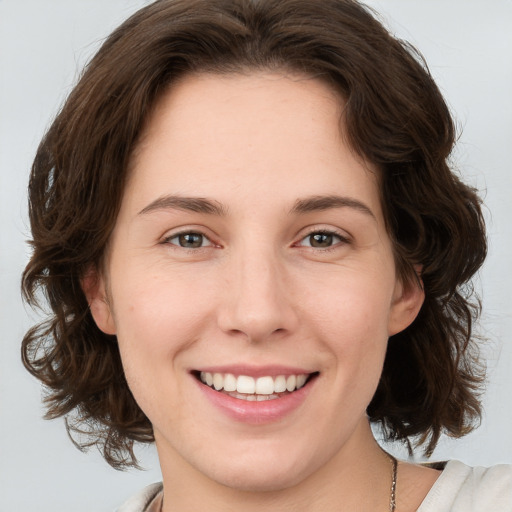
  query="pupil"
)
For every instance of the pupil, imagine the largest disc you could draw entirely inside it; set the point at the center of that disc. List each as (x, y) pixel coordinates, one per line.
(321, 240)
(191, 240)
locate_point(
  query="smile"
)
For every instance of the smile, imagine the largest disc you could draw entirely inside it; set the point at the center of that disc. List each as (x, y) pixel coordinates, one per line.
(245, 387)
(255, 395)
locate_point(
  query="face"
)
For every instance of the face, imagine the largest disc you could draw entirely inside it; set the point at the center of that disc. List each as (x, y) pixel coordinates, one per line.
(250, 281)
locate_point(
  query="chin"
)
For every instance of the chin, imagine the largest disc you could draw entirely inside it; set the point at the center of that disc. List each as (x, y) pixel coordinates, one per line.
(263, 481)
(262, 474)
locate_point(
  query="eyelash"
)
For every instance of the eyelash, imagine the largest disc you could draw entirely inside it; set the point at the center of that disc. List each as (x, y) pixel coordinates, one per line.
(167, 240)
(324, 232)
(343, 239)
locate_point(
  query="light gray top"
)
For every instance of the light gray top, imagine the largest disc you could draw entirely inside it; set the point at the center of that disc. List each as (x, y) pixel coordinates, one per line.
(459, 488)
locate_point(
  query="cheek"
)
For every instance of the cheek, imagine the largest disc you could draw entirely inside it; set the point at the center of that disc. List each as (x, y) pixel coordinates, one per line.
(157, 319)
(352, 322)
(353, 304)
(159, 302)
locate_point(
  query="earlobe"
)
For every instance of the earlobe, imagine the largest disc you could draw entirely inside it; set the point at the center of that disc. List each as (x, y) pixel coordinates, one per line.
(94, 287)
(406, 305)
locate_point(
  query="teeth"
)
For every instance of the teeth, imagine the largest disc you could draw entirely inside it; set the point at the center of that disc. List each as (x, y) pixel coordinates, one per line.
(301, 380)
(229, 382)
(291, 382)
(218, 381)
(245, 384)
(265, 386)
(251, 398)
(280, 384)
(249, 388)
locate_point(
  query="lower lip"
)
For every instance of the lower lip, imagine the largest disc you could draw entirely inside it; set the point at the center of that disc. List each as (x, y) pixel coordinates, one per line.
(254, 412)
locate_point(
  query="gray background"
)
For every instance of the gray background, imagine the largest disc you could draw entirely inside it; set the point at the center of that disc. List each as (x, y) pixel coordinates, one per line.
(43, 45)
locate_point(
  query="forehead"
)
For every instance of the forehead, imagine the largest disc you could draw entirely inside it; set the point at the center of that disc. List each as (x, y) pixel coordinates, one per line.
(255, 102)
(216, 134)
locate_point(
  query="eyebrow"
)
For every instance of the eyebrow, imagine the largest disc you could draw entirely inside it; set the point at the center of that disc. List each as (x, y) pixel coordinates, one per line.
(212, 207)
(319, 203)
(191, 204)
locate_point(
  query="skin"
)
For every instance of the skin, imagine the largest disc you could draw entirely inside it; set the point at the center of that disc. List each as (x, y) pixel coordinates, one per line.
(256, 292)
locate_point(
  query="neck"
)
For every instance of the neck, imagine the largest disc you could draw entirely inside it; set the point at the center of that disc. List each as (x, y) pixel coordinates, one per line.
(357, 477)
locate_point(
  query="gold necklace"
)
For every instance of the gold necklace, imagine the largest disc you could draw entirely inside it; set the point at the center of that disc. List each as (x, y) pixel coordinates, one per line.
(392, 497)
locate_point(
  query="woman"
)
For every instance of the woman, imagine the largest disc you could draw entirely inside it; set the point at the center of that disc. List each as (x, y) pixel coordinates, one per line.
(254, 248)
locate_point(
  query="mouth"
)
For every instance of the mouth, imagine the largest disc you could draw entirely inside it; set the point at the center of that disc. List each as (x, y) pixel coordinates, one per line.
(254, 389)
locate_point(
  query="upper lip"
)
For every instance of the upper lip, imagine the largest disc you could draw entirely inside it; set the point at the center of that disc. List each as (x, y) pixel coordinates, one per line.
(254, 371)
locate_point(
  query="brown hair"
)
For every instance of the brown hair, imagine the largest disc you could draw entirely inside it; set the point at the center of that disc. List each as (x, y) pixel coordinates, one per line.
(395, 117)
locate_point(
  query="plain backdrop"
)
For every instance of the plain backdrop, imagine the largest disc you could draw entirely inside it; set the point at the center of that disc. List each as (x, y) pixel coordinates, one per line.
(44, 44)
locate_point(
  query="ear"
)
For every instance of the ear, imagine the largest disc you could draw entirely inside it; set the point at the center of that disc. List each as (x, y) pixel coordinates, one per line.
(408, 298)
(94, 287)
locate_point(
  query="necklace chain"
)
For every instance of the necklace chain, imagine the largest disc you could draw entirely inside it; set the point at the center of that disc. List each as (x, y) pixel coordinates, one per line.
(392, 497)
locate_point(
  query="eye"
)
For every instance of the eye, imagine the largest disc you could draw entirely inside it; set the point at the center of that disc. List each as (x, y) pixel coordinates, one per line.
(189, 240)
(322, 240)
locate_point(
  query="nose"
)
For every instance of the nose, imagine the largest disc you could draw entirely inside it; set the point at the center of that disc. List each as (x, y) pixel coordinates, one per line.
(257, 300)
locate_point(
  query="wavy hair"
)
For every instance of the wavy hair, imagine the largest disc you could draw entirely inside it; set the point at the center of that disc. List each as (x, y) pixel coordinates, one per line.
(395, 117)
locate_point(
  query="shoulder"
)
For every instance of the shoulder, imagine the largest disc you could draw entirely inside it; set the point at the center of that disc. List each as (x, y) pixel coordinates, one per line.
(461, 488)
(144, 500)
